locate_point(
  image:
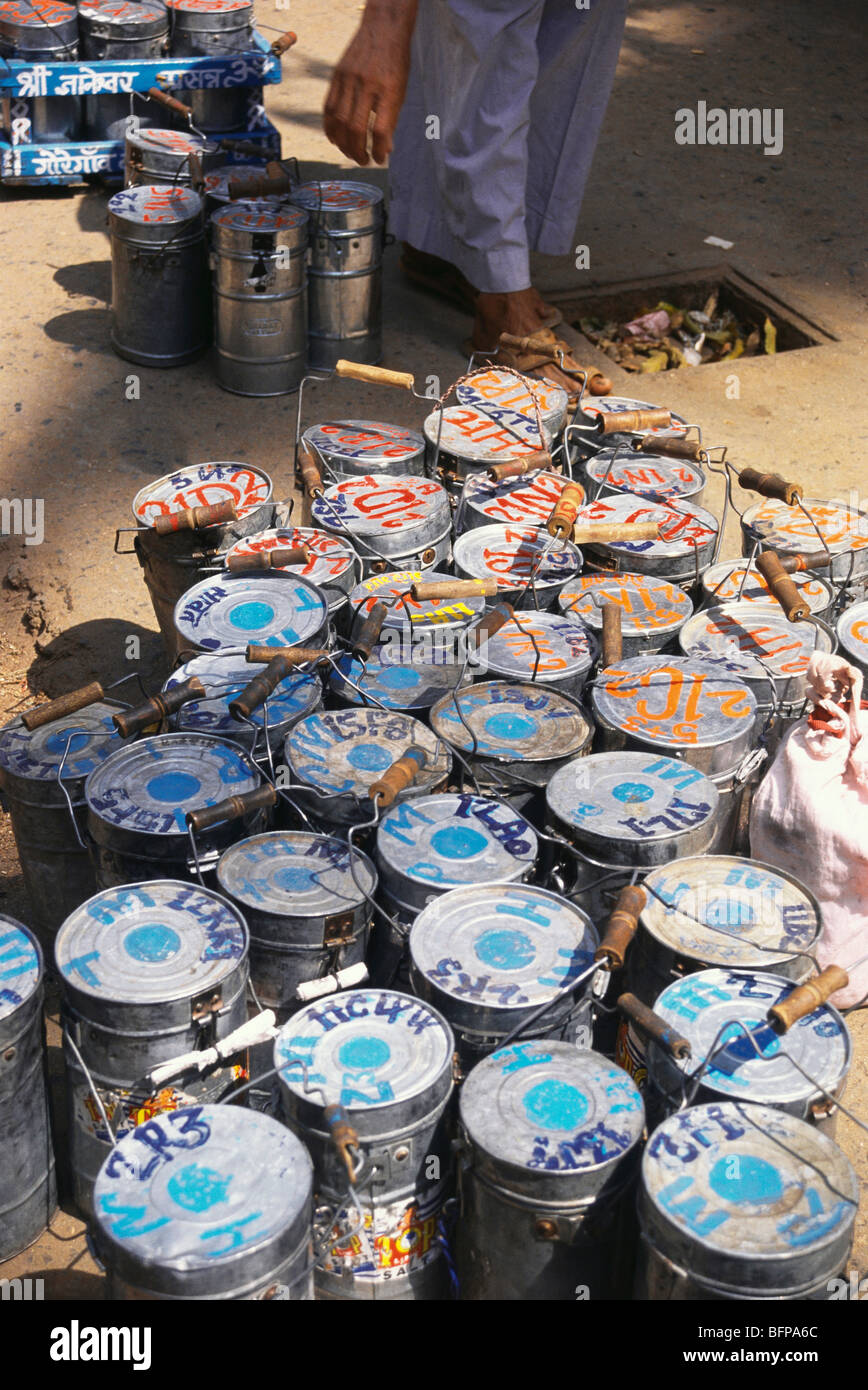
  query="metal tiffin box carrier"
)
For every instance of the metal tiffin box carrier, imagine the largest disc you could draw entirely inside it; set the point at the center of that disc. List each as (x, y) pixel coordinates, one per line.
(619, 469)
(490, 955)
(510, 399)
(464, 440)
(272, 609)
(365, 449)
(157, 156)
(119, 29)
(149, 973)
(681, 554)
(333, 565)
(553, 650)
(527, 566)
(741, 1201)
(206, 28)
(843, 531)
(28, 1195)
(224, 674)
(206, 1202)
(379, 1063)
(737, 581)
(550, 1137)
(46, 32)
(652, 610)
(522, 501)
(394, 523)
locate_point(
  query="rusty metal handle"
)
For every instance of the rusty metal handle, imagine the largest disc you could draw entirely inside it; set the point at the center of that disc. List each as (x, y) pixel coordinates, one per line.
(376, 376)
(257, 691)
(64, 704)
(344, 1137)
(804, 999)
(630, 421)
(454, 588)
(613, 642)
(621, 926)
(563, 517)
(262, 187)
(770, 485)
(496, 618)
(799, 562)
(158, 707)
(654, 1027)
(370, 631)
(397, 778)
(171, 103)
(670, 448)
(284, 43)
(275, 558)
(232, 808)
(293, 656)
(516, 468)
(781, 587)
(196, 518)
(605, 533)
(311, 477)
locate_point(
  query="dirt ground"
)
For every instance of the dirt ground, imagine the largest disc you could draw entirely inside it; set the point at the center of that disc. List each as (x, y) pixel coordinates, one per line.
(71, 436)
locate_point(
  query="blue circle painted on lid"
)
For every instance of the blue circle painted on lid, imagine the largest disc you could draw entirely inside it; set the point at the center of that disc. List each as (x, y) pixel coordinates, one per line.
(251, 616)
(364, 1054)
(731, 914)
(633, 791)
(510, 725)
(196, 1188)
(78, 739)
(555, 1105)
(505, 950)
(370, 757)
(173, 787)
(746, 1178)
(152, 943)
(458, 842)
(398, 677)
(295, 878)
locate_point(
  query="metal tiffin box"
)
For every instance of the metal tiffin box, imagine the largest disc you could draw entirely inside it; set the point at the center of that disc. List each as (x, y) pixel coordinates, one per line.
(510, 399)
(738, 581)
(554, 650)
(336, 756)
(399, 676)
(464, 440)
(723, 1014)
(365, 1082)
(28, 1195)
(681, 554)
(852, 633)
(347, 234)
(121, 30)
(45, 32)
(488, 956)
(365, 449)
(333, 565)
(522, 501)
(429, 623)
(157, 156)
(149, 973)
(216, 183)
(591, 409)
(260, 305)
(173, 561)
(741, 1201)
(627, 812)
(843, 531)
(550, 1138)
(224, 675)
(620, 469)
(394, 523)
(272, 609)
(38, 771)
(529, 568)
(223, 1204)
(213, 28)
(652, 610)
(138, 800)
(160, 311)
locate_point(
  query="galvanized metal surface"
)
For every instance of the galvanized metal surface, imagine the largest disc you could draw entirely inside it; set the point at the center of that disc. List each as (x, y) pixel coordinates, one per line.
(515, 501)
(726, 583)
(514, 724)
(28, 1196)
(852, 633)
(216, 189)
(57, 871)
(434, 843)
(224, 675)
(513, 555)
(652, 610)
(218, 27)
(119, 29)
(260, 298)
(592, 408)
(502, 397)
(408, 619)
(842, 529)
(333, 566)
(161, 314)
(387, 1059)
(549, 649)
(488, 955)
(276, 609)
(365, 449)
(711, 1009)
(546, 1192)
(25, 35)
(158, 156)
(688, 534)
(148, 972)
(470, 438)
(746, 1202)
(410, 681)
(138, 798)
(223, 1212)
(340, 753)
(345, 285)
(392, 522)
(759, 645)
(679, 705)
(618, 468)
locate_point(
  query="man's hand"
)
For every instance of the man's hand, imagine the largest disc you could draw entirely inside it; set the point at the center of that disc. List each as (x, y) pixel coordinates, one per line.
(370, 80)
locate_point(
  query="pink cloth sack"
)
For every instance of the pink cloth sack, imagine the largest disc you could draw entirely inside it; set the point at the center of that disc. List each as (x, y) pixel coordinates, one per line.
(810, 816)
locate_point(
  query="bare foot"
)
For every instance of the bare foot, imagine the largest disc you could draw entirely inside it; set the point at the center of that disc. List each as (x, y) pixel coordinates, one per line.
(522, 314)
